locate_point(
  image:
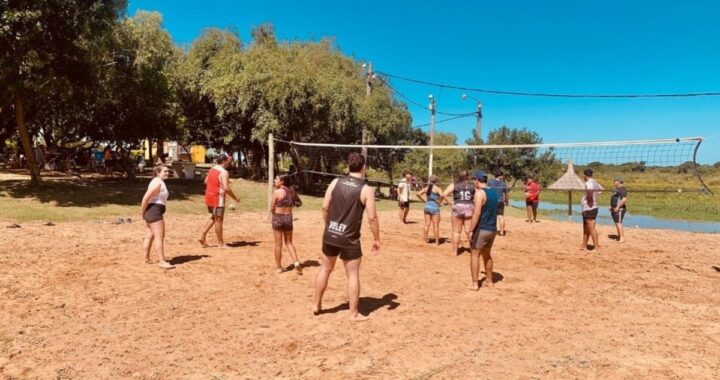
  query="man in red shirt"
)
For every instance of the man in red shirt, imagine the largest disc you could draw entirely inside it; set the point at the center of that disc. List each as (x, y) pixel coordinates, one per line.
(217, 186)
(532, 198)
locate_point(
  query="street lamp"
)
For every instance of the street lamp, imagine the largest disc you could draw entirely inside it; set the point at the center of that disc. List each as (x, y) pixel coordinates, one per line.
(432, 108)
(478, 123)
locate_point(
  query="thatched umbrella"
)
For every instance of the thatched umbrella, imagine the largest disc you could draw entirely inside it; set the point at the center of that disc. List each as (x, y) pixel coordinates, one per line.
(569, 181)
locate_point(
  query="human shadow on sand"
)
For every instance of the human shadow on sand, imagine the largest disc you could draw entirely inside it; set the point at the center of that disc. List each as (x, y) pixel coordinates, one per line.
(496, 277)
(304, 264)
(717, 269)
(243, 243)
(367, 305)
(179, 260)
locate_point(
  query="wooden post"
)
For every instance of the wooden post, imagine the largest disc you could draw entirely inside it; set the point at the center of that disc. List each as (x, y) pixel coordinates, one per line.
(569, 203)
(271, 173)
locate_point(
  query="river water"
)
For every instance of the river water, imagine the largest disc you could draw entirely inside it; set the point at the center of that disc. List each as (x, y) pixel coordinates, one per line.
(559, 212)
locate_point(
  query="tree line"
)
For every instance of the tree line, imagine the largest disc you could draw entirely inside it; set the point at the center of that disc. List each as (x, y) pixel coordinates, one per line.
(75, 71)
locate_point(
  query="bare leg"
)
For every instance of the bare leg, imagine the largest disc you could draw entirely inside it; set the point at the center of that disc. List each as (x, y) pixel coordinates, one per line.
(501, 224)
(436, 228)
(405, 214)
(456, 230)
(288, 235)
(158, 230)
(147, 243)
(621, 233)
(206, 229)
(219, 231)
(529, 213)
(278, 250)
(594, 235)
(352, 270)
(586, 235)
(321, 280)
(475, 269)
(426, 227)
(534, 212)
(466, 228)
(488, 261)
(400, 214)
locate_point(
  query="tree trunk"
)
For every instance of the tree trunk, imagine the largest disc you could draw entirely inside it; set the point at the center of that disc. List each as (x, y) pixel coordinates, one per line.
(26, 142)
(161, 150)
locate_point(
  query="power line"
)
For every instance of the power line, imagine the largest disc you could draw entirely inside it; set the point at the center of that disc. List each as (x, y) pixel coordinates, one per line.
(549, 95)
(443, 120)
(421, 105)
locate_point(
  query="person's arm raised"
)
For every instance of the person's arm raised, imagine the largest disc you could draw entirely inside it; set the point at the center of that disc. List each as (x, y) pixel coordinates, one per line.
(367, 197)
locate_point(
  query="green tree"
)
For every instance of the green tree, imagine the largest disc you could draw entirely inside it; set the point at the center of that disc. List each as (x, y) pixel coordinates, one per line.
(45, 41)
(516, 163)
(446, 162)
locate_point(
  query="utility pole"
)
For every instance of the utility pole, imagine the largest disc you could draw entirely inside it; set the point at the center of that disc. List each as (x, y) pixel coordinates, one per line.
(432, 133)
(368, 91)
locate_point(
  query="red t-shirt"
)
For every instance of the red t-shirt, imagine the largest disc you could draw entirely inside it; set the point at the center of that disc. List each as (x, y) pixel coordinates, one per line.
(533, 190)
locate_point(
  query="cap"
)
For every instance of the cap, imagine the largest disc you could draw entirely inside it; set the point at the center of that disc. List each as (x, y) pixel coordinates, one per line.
(480, 174)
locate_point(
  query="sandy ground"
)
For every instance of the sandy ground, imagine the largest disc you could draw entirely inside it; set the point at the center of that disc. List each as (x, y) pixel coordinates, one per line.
(77, 303)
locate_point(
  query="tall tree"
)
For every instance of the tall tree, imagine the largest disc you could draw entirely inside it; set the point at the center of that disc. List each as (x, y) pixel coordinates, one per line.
(43, 41)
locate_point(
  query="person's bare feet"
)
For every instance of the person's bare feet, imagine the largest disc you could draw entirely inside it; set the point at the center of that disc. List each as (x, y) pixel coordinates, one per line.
(583, 247)
(488, 284)
(317, 310)
(298, 268)
(223, 246)
(358, 318)
(621, 240)
(474, 287)
(165, 265)
(279, 270)
(203, 243)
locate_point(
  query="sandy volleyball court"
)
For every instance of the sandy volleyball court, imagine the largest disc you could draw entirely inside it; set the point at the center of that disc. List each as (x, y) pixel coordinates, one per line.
(77, 303)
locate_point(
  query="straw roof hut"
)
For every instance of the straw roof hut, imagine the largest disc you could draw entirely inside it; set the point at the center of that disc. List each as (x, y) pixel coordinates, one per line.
(569, 181)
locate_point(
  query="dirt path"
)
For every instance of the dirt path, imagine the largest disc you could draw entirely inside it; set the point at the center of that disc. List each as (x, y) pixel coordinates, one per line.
(77, 303)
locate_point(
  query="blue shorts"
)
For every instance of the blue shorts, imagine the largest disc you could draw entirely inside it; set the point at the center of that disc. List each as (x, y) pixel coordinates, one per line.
(431, 211)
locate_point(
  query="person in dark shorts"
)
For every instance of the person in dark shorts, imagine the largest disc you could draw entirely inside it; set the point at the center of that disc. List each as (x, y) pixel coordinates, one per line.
(484, 227)
(152, 209)
(500, 186)
(618, 207)
(590, 210)
(532, 198)
(345, 201)
(217, 186)
(403, 196)
(432, 196)
(463, 192)
(284, 199)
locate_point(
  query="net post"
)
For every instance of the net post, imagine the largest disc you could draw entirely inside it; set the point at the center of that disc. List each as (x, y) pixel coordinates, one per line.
(569, 203)
(271, 174)
(697, 172)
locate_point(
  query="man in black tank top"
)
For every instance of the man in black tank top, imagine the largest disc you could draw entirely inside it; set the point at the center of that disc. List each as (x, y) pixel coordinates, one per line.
(345, 201)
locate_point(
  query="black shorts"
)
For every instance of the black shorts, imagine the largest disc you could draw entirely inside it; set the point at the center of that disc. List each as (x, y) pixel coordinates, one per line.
(501, 208)
(590, 214)
(404, 204)
(533, 204)
(345, 253)
(618, 216)
(282, 222)
(216, 211)
(154, 213)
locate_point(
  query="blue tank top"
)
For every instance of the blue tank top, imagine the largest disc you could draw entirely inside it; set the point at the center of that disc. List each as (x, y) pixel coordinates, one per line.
(432, 200)
(488, 214)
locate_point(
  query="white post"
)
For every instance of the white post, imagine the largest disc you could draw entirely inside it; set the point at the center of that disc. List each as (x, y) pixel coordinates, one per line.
(271, 173)
(432, 134)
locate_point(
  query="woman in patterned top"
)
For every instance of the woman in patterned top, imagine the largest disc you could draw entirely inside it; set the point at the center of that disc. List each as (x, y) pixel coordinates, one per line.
(283, 200)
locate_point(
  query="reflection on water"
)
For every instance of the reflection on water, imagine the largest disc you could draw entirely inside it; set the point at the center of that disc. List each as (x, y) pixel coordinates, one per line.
(631, 220)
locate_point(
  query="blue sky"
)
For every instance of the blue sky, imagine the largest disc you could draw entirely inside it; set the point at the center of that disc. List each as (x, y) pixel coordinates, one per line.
(569, 46)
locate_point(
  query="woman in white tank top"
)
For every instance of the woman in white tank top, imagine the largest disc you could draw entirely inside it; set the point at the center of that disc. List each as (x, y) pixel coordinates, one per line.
(152, 209)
